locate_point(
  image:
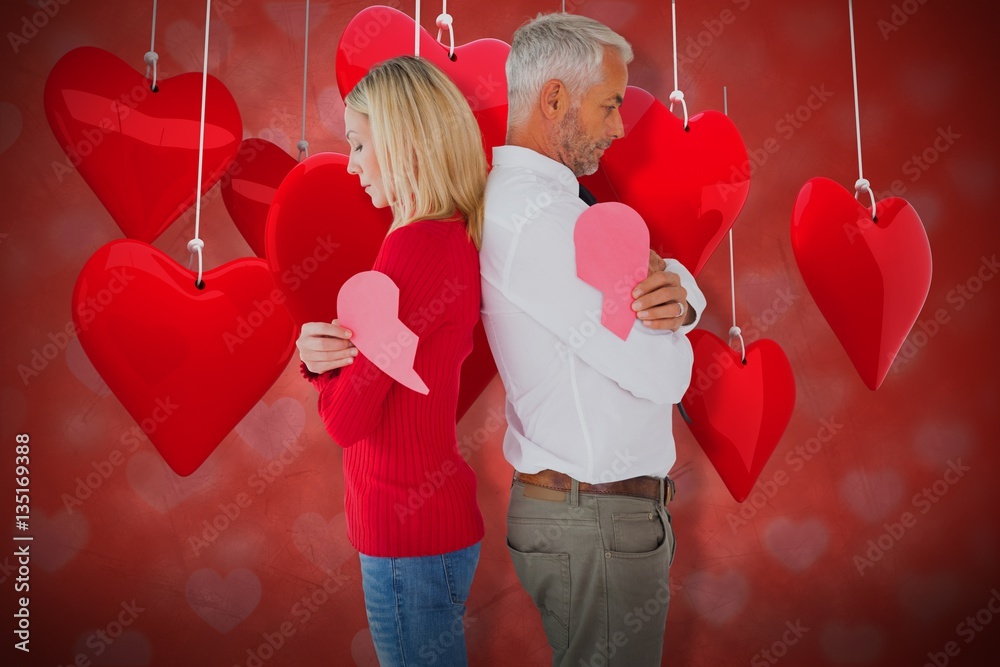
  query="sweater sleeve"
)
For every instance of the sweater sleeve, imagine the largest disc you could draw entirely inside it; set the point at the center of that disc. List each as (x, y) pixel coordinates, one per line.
(351, 402)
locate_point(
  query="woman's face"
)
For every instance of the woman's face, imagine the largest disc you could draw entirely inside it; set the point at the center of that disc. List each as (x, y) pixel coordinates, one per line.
(362, 159)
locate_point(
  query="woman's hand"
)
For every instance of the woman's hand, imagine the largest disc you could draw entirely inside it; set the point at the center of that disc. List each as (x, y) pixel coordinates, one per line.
(324, 347)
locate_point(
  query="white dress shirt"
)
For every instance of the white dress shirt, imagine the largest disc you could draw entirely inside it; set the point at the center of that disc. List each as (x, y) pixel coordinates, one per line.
(580, 400)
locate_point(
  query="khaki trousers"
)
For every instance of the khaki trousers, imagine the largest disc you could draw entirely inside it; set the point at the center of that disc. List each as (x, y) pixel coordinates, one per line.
(597, 568)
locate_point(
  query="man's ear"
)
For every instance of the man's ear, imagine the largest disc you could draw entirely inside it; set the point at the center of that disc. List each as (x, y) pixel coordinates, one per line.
(554, 99)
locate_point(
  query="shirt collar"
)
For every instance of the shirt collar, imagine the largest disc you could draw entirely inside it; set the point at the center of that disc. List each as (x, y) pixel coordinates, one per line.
(526, 158)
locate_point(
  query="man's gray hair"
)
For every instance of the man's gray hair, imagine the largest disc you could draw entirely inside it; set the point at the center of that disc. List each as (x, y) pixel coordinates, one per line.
(567, 47)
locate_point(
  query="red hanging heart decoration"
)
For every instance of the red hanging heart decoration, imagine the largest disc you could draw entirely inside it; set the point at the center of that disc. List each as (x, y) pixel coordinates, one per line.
(249, 185)
(323, 229)
(738, 412)
(689, 186)
(869, 279)
(379, 33)
(187, 364)
(136, 149)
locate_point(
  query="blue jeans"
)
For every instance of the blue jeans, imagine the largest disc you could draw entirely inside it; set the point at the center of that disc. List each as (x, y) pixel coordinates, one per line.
(415, 607)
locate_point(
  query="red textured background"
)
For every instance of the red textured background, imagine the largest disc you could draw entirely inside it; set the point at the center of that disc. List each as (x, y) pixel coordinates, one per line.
(734, 584)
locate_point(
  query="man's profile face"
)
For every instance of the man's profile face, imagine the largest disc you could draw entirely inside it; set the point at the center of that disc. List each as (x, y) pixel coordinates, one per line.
(593, 120)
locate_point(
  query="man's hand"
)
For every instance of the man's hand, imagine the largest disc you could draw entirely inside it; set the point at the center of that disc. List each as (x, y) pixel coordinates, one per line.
(660, 301)
(325, 346)
(656, 263)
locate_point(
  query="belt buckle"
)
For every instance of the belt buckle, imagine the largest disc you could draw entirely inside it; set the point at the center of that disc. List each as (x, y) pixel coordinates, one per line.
(669, 490)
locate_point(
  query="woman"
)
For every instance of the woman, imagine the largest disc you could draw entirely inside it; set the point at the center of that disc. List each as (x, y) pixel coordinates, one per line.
(410, 497)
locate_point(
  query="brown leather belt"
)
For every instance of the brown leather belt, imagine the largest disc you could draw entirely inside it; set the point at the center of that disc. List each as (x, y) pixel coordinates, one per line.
(639, 487)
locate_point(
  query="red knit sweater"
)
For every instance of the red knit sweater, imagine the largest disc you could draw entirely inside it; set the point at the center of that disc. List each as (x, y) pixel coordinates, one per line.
(408, 490)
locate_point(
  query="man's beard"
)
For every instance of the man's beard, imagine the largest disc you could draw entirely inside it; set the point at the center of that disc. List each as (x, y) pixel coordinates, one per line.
(578, 152)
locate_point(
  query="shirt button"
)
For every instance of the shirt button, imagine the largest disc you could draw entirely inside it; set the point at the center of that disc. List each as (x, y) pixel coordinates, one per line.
(607, 554)
(650, 516)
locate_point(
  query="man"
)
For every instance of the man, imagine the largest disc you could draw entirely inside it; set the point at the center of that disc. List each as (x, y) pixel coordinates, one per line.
(589, 415)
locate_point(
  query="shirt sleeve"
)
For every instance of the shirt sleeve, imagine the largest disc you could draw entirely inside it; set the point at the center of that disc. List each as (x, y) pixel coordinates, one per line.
(537, 274)
(351, 401)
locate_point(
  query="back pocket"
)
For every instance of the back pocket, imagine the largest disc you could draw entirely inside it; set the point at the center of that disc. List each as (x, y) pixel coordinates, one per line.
(546, 579)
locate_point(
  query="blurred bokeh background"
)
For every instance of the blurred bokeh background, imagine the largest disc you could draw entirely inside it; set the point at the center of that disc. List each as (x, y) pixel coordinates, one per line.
(135, 556)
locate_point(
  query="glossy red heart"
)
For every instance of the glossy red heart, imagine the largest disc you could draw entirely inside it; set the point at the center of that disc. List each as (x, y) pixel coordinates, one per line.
(136, 149)
(379, 33)
(323, 229)
(738, 412)
(869, 279)
(187, 364)
(249, 186)
(689, 186)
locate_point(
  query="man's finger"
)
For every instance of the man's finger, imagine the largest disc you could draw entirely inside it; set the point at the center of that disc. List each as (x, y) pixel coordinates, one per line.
(669, 311)
(656, 263)
(655, 281)
(659, 297)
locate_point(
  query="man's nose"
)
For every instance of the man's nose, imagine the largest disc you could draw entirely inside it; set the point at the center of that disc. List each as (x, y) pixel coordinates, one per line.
(617, 125)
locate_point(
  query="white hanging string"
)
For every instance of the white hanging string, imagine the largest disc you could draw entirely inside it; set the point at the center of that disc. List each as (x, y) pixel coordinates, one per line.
(151, 58)
(303, 145)
(416, 31)
(676, 95)
(862, 185)
(735, 331)
(564, 6)
(196, 245)
(444, 21)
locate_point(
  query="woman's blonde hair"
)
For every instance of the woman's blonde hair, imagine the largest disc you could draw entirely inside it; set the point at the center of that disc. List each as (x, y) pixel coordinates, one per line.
(427, 143)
